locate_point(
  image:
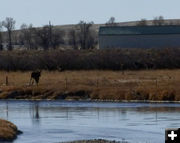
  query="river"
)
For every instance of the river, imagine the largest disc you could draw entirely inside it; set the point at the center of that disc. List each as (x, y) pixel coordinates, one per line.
(59, 121)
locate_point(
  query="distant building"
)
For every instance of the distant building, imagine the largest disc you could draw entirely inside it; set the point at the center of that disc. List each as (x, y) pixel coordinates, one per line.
(4, 46)
(15, 46)
(139, 37)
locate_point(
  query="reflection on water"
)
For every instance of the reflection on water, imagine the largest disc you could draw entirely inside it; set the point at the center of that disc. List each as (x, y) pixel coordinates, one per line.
(57, 121)
(34, 113)
(7, 110)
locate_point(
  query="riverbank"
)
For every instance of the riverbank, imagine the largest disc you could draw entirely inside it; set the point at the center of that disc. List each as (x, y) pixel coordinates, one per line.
(96, 141)
(8, 131)
(145, 86)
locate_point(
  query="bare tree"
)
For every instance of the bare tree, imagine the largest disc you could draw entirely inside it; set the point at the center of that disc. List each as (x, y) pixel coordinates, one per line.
(50, 33)
(73, 38)
(142, 22)
(111, 22)
(1, 38)
(85, 35)
(27, 34)
(49, 37)
(57, 38)
(42, 37)
(158, 21)
(9, 24)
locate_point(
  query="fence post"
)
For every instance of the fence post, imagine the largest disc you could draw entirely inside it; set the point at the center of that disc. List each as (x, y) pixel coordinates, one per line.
(7, 82)
(97, 82)
(66, 83)
(122, 69)
(156, 83)
(156, 80)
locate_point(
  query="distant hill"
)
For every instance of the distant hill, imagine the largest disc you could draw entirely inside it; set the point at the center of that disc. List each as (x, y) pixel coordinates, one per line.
(129, 23)
(67, 28)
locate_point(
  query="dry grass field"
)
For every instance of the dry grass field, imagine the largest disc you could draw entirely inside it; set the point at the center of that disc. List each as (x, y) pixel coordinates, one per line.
(156, 85)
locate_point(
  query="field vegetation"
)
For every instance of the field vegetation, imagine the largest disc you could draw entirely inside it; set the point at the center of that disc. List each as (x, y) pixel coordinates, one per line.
(114, 59)
(153, 85)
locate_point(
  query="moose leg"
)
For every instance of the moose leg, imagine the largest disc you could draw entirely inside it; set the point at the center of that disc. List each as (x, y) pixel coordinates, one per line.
(37, 81)
(30, 82)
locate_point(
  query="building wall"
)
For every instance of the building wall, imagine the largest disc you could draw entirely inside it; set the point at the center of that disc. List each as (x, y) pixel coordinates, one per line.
(139, 41)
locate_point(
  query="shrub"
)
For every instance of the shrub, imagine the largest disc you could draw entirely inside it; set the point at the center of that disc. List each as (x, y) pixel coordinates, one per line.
(114, 59)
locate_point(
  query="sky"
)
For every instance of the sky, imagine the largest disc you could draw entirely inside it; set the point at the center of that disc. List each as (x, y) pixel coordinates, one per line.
(61, 12)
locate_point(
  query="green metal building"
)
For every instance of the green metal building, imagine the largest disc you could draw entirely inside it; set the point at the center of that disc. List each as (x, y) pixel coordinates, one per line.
(139, 37)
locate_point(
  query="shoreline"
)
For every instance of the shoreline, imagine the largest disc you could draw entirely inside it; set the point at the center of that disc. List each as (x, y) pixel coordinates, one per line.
(8, 131)
(95, 141)
(104, 101)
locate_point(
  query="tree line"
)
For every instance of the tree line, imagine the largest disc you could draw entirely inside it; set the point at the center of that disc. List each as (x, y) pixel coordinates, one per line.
(157, 21)
(81, 36)
(114, 59)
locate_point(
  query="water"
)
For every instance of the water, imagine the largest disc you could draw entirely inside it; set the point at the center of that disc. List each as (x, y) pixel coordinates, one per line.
(57, 121)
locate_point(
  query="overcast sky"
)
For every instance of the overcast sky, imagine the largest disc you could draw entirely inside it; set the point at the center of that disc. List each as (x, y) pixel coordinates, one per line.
(60, 12)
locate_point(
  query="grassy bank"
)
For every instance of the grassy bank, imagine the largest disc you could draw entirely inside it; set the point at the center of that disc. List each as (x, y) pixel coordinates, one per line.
(97, 141)
(155, 85)
(8, 131)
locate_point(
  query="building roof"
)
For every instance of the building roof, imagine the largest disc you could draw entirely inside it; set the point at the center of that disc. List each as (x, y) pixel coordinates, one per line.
(138, 30)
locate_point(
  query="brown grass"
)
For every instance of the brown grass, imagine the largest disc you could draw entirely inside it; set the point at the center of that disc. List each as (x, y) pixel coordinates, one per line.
(8, 131)
(101, 85)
